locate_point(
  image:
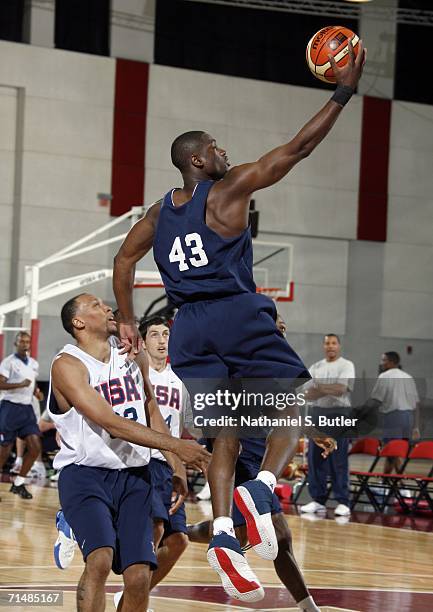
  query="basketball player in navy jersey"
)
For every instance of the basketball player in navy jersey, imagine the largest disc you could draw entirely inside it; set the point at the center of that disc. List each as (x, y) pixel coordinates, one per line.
(202, 247)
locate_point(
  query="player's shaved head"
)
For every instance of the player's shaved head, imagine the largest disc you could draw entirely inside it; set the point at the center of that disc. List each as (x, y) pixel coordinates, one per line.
(68, 313)
(184, 146)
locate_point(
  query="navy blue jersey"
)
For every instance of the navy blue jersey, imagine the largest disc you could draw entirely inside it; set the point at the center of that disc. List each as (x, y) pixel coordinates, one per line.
(194, 261)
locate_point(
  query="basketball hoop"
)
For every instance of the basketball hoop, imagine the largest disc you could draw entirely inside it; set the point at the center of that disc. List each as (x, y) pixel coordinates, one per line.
(277, 294)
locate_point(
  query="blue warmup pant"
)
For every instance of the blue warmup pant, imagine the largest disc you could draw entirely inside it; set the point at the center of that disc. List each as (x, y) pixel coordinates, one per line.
(336, 466)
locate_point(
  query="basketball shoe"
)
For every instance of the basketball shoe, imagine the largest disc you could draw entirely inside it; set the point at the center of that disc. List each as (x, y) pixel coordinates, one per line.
(64, 548)
(254, 501)
(21, 491)
(226, 557)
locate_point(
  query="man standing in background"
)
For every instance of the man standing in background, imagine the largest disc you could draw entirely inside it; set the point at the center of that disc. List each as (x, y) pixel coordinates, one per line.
(18, 373)
(333, 379)
(397, 398)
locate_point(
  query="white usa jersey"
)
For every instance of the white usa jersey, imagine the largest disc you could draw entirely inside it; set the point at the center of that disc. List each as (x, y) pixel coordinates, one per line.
(82, 441)
(171, 397)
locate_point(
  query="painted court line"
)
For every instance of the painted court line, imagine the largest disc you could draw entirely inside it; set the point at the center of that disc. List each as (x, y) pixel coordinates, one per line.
(258, 568)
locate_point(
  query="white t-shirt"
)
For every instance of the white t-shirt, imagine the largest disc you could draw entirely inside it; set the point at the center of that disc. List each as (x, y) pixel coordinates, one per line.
(83, 442)
(171, 397)
(396, 390)
(342, 372)
(15, 370)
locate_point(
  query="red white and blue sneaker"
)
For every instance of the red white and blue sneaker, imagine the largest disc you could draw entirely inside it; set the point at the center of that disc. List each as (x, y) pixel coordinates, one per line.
(64, 548)
(225, 556)
(254, 501)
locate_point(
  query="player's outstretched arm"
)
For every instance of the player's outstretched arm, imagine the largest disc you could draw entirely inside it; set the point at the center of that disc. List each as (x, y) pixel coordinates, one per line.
(137, 243)
(71, 388)
(272, 167)
(156, 420)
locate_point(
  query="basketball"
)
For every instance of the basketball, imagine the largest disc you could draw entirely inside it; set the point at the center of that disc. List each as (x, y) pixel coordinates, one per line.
(332, 40)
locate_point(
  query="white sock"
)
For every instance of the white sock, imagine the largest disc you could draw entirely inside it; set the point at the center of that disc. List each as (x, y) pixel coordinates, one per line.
(19, 480)
(308, 605)
(268, 478)
(18, 461)
(223, 523)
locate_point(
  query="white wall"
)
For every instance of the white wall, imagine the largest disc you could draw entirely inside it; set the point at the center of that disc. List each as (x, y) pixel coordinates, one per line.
(66, 160)
(408, 266)
(8, 117)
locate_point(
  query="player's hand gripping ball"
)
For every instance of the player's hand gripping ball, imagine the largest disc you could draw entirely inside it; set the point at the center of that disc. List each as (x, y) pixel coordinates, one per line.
(332, 40)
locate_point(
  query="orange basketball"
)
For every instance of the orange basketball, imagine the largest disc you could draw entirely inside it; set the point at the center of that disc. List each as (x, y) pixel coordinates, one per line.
(332, 40)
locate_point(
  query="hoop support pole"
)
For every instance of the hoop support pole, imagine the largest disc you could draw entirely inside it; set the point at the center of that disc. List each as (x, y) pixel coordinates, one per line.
(35, 326)
(2, 338)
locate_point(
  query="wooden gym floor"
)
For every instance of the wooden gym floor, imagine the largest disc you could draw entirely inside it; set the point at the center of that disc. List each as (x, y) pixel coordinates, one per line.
(364, 566)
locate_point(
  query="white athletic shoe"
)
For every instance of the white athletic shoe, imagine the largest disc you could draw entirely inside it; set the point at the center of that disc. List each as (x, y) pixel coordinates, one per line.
(254, 501)
(117, 598)
(55, 477)
(342, 510)
(313, 507)
(204, 494)
(226, 557)
(65, 545)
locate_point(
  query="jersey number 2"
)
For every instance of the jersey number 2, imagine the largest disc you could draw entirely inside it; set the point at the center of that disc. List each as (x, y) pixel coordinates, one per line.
(177, 254)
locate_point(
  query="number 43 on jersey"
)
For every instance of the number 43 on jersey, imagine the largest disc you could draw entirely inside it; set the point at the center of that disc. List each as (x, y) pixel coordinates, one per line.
(195, 244)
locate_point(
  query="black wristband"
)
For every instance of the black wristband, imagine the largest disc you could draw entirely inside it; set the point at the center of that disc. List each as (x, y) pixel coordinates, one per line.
(342, 95)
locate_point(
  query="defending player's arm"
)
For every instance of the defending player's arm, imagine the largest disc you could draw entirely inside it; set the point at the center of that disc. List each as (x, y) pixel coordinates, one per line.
(157, 422)
(137, 243)
(71, 388)
(245, 179)
(180, 483)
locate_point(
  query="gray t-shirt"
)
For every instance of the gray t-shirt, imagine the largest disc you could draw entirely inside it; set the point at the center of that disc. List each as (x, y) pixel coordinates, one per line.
(396, 390)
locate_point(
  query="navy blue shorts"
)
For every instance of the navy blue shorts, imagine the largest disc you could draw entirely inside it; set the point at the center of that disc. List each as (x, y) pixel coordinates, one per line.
(110, 508)
(231, 337)
(16, 421)
(162, 486)
(397, 425)
(247, 469)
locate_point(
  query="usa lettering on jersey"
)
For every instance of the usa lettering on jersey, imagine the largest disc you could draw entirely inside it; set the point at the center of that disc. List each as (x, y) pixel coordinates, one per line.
(167, 396)
(117, 393)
